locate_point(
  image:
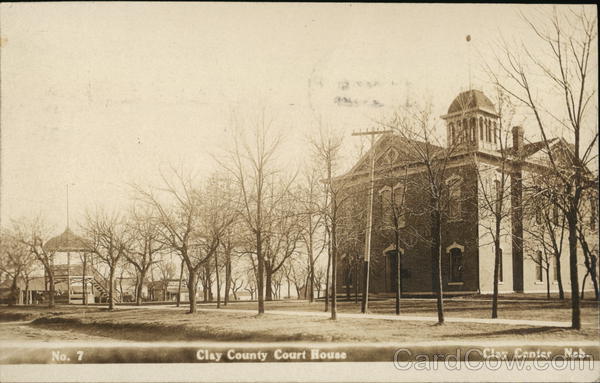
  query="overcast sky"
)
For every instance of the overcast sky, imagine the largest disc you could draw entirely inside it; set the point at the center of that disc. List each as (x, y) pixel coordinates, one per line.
(98, 95)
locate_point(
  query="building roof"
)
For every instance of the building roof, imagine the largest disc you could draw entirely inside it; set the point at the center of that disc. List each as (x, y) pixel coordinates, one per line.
(400, 144)
(65, 242)
(471, 99)
(532, 148)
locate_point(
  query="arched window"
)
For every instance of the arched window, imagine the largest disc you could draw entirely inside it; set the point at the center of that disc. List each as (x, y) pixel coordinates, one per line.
(488, 132)
(386, 200)
(481, 128)
(473, 130)
(456, 265)
(458, 132)
(465, 131)
(495, 132)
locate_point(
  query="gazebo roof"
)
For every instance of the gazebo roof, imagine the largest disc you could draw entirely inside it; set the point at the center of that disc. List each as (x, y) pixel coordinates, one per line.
(66, 242)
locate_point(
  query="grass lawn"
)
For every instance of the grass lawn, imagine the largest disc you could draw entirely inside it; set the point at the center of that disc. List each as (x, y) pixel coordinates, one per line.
(175, 324)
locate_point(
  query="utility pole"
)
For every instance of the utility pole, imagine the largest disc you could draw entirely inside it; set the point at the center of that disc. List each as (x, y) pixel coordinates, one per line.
(367, 256)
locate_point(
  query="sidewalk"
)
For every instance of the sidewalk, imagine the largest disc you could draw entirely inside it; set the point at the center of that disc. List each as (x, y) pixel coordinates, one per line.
(413, 318)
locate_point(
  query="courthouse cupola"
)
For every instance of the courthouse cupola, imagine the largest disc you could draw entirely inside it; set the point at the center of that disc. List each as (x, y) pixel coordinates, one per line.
(472, 122)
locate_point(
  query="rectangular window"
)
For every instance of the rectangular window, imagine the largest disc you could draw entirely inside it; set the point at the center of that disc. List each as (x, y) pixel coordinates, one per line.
(456, 265)
(539, 272)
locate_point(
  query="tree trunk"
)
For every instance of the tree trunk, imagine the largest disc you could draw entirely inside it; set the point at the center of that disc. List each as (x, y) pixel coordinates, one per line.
(583, 285)
(260, 273)
(83, 280)
(311, 273)
(27, 300)
(13, 291)
(327, 277)
(179, 287)
(217, 280)
(436, 258)
(561, 291)
(398, 272)
(227, 280)
(594, 278)
(139, 288)
(208, 282)
(111, 277)
(269, 281)
(575, 305)
(548, 281)
(497, 251)
(52, 288)
(192, 282)
(348, 273)
(355, 283)
(590, 264)
(333, 263)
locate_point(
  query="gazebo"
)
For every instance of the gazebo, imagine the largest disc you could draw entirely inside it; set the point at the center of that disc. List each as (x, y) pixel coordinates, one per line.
(73, 272)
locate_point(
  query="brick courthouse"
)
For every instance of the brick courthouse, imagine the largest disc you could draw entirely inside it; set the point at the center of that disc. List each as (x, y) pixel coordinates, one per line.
(468, 250)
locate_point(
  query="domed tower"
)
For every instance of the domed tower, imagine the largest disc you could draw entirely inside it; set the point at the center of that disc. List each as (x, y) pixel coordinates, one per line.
(472, 122)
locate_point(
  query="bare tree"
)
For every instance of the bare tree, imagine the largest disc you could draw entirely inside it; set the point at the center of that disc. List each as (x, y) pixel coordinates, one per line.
(191, 222)
(33, 234)
(394, 202)
(561, 68)
(251, 163)
(108, 239)
(237, 283)
(16, 261)
(311, 198)
(546, 229)
(298, 276)
(326, 150)
(494, 183)
(319, 278)
(282, 237)
(145, 246)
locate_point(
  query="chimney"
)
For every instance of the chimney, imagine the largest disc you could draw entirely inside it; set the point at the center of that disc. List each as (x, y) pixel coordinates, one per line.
(517, 136)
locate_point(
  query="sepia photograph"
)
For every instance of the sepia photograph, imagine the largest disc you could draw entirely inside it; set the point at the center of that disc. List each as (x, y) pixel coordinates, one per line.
(298, 192)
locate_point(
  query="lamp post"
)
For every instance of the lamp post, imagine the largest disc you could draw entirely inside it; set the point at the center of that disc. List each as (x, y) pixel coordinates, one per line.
(367, 255)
